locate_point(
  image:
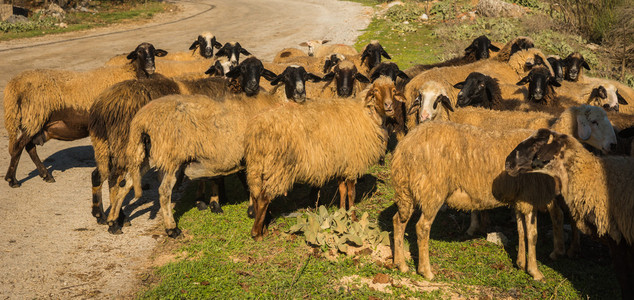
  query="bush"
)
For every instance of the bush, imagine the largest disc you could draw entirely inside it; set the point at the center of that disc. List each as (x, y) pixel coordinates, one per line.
(32, 24)
(409, 12)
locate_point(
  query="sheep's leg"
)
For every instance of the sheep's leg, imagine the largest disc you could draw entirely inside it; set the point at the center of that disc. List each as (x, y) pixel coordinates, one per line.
(243, 178)
(214, 203)
(30, 149)
(531, 261)
(200, 195)
(400, 222)
(15, 151)
(343, 193)
(351, 186)
(475, 223)
(521, 236)
(97, 201)
(261, 204)
(557, 218)
(423, 227)
(575, 242)
(116, 217)
(165, 196)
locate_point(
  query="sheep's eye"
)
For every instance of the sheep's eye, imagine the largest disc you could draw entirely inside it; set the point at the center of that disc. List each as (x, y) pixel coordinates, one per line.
(394, 91)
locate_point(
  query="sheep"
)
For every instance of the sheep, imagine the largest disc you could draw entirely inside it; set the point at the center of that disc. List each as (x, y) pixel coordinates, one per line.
(596, 189)
(391, 103)
(622, 93)
(288, 53)
(515, 45)
(391, 70)
(557, 64)
(369, 58)
(473, 178)
(58, 107)
(113, 110)
(573, 66)
(295, 144)
(347, 81)
(313, 45)
(294, 79)
(479, 49)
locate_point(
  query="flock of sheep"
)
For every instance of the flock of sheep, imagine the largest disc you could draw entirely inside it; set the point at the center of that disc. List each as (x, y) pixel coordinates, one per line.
(466, 131)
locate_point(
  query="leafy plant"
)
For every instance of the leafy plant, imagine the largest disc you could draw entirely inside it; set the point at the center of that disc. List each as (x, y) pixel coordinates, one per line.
(444, 9)
(338, 230)
(409, 12)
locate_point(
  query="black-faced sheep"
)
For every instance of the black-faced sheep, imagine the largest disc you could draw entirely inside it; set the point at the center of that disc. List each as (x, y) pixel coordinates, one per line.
(40, 105)
(557, 64)
(597, 190)
(294, 80)
(391, 70)
(295, 144)
(348, 81)
(573, 66)
(473, 179)
(513, 46)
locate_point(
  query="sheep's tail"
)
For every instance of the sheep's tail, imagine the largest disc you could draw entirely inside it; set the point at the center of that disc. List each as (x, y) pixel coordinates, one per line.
(12, 111)
(137, 153)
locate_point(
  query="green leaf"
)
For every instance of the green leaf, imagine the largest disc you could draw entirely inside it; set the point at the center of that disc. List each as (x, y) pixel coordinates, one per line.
(323, 211)
(296, 228)
(342, 247)
(355, 239)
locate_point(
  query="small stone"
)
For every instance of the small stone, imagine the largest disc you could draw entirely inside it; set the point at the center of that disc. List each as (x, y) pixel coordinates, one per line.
(62, 25)
(406, 22)
(424, 17)
(497, 238)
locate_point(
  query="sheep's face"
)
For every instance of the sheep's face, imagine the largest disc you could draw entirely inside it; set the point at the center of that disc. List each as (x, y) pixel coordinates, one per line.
(388, 69)
(372, 54)
(473, 91)
(542, 152)
(331, 61)
(385, 95)
(220, 68)
(429, 102)
(558, 68)
(294, 79)
(594, 128)
(144, 55)
(345, 73)
(573, 64)
(606, 96)
(248, 75)
(205, 44)
(480, 47)
(232, 51)
(540, 84)
(312, 45)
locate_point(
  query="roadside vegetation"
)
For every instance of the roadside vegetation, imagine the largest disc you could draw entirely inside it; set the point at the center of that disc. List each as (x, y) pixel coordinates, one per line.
(97, 13)
(217, 258)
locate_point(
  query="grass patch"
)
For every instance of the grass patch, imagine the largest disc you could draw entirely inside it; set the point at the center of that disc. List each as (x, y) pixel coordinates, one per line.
(108, 13)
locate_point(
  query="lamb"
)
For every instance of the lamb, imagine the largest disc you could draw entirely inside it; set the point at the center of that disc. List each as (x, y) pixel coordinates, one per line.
(596, 189)
(479, 49)
(113, 110)
(58, 107)
(474, 179)
(295, 144)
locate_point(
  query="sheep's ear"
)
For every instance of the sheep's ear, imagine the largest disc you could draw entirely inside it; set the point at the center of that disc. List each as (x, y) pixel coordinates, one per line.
(277, 79)
(222, 52)
(524, 80)
(374, 76)
(132, 55)
(469, 49)
(364, 55)
(621, 99)
(312, 77)
(583, 127)
(585, 65)
(233, 73)
(442, 99)
(160, 52)
(268, 75)
(415, 105)
(216, 44)
(384, 54)
(459, 85)
(194, 45)
(361, 78)
(402, 75)
(303, 44)
(493, 48)
(328, 77)
(552, 81)
(244, 51)
(327, 65)
(214, 70)
(599, 92)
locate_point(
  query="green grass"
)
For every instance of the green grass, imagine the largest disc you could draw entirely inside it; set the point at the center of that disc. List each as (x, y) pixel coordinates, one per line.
(108, 14)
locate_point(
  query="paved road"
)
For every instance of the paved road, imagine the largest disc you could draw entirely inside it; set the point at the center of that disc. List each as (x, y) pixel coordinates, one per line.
(50, 246)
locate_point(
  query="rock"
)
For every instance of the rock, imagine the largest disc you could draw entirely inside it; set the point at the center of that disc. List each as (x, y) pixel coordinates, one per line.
(17, 19)
(394, 3)
(406, 22)
(62, 25)
(499, 8)
(497, 238)
(424, 17)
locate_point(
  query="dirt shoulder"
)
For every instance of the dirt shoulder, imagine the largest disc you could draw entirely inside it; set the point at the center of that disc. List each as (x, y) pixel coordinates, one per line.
(51, 247)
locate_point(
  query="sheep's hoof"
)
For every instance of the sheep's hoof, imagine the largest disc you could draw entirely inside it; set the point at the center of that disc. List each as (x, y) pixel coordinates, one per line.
(201, 205)
(403, 268)
(101, 220)
(126, 222)
(537, 275)
(173, 233)
(427, 274)
(12, 182)
(48, 178)
(256, 238)
(521, 264)
(114, 228)
(215, 207)
(251, 212)
(556, 255)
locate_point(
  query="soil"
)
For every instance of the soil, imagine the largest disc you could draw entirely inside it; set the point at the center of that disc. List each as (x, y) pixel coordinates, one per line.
(51, 246)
